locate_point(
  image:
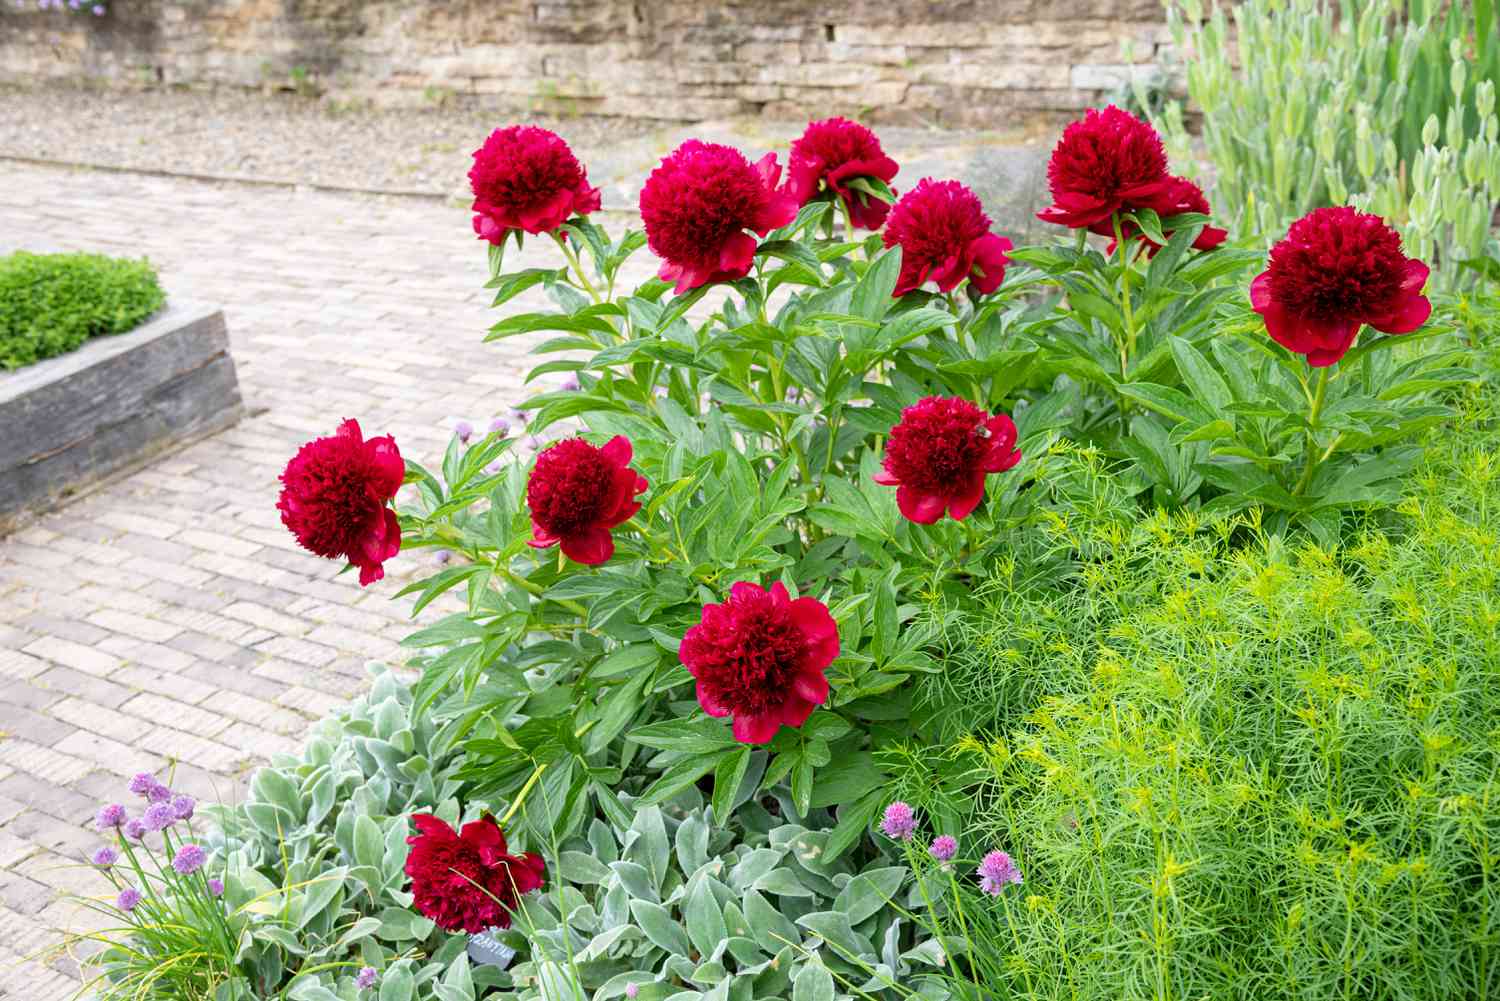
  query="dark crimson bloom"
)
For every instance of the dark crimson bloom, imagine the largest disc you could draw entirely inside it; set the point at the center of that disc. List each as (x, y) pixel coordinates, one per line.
(830, 154)
(1109, 162)
(468, 881)
(527, 178)
(760, 657)
(945, 237)
(1181, 196)
(698, 205)
(334, 494)
(940, 453)
(1338, 269)
(578, 492)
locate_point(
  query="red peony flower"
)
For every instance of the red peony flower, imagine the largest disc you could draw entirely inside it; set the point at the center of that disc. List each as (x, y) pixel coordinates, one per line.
(1109, 162)
(1338, 269)
(334, 495)
(939, 454)
(698, 205)
(945, 237)
(467, 881)
(1181, 195)
(760, 657)
(527, 178)
(578, 492)
(832, 153)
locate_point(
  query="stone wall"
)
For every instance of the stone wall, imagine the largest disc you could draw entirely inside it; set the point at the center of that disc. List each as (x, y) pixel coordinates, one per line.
(948, 62)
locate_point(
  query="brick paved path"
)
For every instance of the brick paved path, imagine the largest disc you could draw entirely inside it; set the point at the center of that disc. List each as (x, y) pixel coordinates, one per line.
(169, 617)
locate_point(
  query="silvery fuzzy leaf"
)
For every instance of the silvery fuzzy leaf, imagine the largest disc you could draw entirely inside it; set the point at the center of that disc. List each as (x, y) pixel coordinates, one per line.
(813, 983)
(931, 951)
(651, 849)
(660, 927)
(704, 917)
(772, 929)
(890, 949)
(602, 841)
(555, 983)
(636, 879)
(600, 945)
(708, 973)
(834, 928)
(746, 952)
(677, 966)
(869, 892)
(578, 867)
(692, 843)
(755, 864)
(615, 909)
(734, 918)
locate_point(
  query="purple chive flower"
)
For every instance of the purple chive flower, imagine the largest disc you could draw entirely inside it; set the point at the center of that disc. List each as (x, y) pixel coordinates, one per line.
(943, 847)
(366, 977)
(128, 898)
(899, 822)
(183, 807)
(158, 793)
(995, 872)
(500, 426)
(441, 557)
(516, 415)
(216, 887)
(109, 817)
(631, 990)
(158, 817)
(105, 857)
(189, 859)
(143, 783)
(134, 829)
(569, 383)
(98, 10)
(463, 430)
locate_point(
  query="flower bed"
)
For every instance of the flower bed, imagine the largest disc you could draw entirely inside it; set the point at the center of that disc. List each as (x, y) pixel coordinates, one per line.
(711, 726)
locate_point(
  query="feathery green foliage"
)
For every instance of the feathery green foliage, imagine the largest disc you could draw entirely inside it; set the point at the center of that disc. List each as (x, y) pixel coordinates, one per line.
(1238, 765)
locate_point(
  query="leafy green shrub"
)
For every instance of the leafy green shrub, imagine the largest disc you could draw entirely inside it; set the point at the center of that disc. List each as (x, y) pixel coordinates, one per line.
(51, 303)
(1386, 105)
(1236, 765)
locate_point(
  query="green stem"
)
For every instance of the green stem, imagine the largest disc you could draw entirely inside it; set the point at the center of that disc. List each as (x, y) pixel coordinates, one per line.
(577, 265)
(1314, 410)
(1121, 250)
(541, 592)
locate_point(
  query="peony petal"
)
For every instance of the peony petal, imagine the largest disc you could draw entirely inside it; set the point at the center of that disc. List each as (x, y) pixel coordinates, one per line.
(1209, 238)
(736, 257)
(924, 509)
(1410, 314)
(963, 505)
(769, 170)
(802, 177)
(390, 470)
(432, 827)
(484, 837)
(526, 872)
(592, 546)
(989, 262)
(709, 704)
(819, 630)
(755, 729)
(746, 591)
(1415, 277)
(392, 535)
(950, 272)
(780, 209)
(586, 199)
(886, 479)
(795, 710)
(1076, 210)
(618, 450)
(1330, 342)
(548, 215)
(811, 687)
(779, 595)
(350, 429)
(1260, 293)
(540, 537)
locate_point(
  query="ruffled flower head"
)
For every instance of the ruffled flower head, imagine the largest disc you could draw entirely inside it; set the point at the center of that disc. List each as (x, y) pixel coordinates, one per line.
(760, 657)
(1109, 162)
(526, 178)
(945, 237)
(938, 456)
(700, 207)
(334, 495)
(1336, 270)
(829, 155)
(468, 881)
(578, 492)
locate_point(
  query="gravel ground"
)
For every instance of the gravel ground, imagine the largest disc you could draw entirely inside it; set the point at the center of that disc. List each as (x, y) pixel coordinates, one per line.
(279, 137)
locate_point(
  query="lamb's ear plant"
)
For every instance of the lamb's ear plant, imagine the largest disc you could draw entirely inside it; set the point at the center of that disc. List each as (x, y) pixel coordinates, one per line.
(682, 905)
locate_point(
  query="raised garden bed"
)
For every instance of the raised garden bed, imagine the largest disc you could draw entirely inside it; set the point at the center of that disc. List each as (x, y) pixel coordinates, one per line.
(71, 421)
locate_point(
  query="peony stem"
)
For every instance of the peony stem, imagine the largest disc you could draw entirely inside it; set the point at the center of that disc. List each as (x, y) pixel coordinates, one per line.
(577, 265)
(1315, 409)
(536, 590)
(1125, 305)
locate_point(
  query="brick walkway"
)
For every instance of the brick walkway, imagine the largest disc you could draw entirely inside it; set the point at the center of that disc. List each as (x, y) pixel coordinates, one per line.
(169, 618)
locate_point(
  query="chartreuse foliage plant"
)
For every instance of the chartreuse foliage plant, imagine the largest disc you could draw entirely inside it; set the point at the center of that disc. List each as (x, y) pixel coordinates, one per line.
(1234, 764)
(51, 303)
